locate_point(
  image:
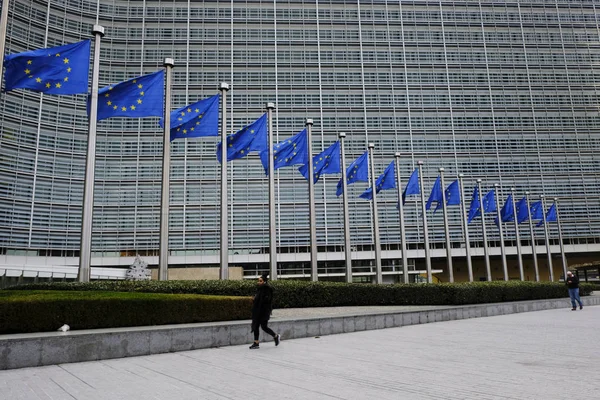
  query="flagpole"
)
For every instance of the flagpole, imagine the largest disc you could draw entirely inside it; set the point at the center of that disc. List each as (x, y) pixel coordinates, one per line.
(378, 276)
(483, 230)
(517, 236)
(272, 233)
(3, 24)
(560, 239)
(224, 245)
(425, 229)
(465, 225)
(547, 239)
(446, 229)
(402, 227)
(314, 271)
(85, 245)
(347, 248)
(163, 253)
(501, 230)
(533, 246)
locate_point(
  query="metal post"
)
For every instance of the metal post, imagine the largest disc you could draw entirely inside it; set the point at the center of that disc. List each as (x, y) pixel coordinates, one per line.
(446, 229)
(272, 233)
(560, 239)
(224, 250)
(347, 248)
(85, 245)
(465, 225)
(314, 271)
(533, 246)
(378, 275)
(501, 230)
(402, 227)
(485, 243)
(3, 24)
(547, 239)
(425, 229)
(163, 252)
(517, 236)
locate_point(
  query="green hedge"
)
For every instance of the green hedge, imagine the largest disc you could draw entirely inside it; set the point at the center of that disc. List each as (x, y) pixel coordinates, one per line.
(39, 311)
(289, 293)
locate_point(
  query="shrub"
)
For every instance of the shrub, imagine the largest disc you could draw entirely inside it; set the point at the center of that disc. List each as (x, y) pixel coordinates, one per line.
(37, 311)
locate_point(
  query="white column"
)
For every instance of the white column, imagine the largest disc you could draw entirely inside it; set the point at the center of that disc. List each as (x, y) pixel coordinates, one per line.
(533, 246)
(378, 276)
(425, 229)
(501, 229)
(402, 226)
(446, 228)
(314, 270)
(465, 225)
(272, 232)
(485, 242)
(347, 248)
(224, 248)
(560, 239)
(517, 235)
(547, 239)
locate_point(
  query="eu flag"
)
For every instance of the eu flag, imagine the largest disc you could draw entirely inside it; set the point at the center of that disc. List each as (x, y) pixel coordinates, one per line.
(507, 211)
(550, 215)
(357, 171)
(436, 194)
(536, 210)
(412, 187)
(327, 162)
(452, 195)
(196, 120)
(138, 97)
(522, 211)
(251, 138)
(387, 180)
(289, 152)
(474, 207)
(54, 70)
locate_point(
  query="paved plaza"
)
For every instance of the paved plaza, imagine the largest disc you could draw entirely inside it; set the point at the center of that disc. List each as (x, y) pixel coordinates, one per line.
(549, 354)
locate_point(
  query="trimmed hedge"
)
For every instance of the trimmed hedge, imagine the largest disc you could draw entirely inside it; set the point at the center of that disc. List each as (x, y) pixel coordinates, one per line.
(291, 294)
(38, 311)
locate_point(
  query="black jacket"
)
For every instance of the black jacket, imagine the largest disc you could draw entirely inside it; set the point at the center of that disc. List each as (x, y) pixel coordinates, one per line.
(263, 303)
(572, 282)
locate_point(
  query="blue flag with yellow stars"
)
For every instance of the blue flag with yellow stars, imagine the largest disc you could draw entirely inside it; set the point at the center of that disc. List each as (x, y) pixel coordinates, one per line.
(489, 204)
(289, 152)
(436, 194)
(452, 196)
(55, 70)
(357, 171)
(536, 210)
(387, 180)
(507, 211)
(196, 120)
(522, 210)
(251, 138)
(412, 187)
(327, 162)
(474, 207)
(143, 96)
(550, 215)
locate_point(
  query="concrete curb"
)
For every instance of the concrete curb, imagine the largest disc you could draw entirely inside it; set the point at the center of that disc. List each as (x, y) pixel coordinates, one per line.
(51, 348)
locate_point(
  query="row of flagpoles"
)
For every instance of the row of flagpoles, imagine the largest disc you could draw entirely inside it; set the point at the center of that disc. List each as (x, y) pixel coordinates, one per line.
(64, 70)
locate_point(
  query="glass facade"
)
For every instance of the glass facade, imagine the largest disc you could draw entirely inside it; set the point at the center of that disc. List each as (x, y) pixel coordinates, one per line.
(502, 91)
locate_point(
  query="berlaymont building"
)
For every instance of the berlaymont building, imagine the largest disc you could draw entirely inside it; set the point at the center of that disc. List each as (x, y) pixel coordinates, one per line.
(506, 92)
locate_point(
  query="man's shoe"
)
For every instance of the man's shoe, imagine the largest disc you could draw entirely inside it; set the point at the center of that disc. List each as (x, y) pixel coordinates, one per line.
(574, 309)
(581, 307)
(277, 338)
(254, 346)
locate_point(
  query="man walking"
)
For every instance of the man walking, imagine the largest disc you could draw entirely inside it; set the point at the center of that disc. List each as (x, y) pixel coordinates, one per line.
(573, 285)
(261, 311)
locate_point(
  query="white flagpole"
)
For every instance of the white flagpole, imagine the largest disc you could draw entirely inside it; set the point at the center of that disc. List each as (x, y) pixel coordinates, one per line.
(272, 233)
(560, 239)
(547, 239)
(425, 229)
(533, 246)
(85, 245)
(224, 245)
(501, 229)
(163, 253)
(485, 243)
(314, 270)
(402, 227)
(465, 224)
(347, 248)
(378, 276)
(446, 229)
(517, 235)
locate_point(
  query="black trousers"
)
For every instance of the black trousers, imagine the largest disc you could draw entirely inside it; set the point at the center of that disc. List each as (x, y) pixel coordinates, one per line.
(264, 326)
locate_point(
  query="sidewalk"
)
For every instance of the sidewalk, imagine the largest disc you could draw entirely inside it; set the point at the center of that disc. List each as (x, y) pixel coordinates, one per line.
(51, 348)
(546, 355)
